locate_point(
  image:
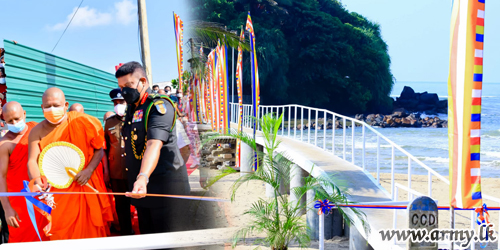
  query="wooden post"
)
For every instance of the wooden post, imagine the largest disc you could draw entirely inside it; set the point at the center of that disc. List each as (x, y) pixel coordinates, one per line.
(143, 27)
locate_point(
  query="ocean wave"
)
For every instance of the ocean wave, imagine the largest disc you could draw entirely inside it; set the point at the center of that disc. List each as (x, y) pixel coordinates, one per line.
(492, 154)
(433, 159)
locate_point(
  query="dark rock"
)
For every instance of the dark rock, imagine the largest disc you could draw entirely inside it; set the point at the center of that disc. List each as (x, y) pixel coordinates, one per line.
(407, 93)
(432, 99)
(442, 104)
(424, 107)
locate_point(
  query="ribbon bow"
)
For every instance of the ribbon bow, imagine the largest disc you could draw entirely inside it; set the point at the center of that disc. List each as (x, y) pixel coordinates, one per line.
(482, 215)
(324, 206)
(34, 204)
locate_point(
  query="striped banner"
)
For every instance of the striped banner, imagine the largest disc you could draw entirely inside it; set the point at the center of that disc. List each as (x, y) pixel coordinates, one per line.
(216, 96)
(239, 86)
(464, 102)
(255, 77)
(210, 84)
(179, 30)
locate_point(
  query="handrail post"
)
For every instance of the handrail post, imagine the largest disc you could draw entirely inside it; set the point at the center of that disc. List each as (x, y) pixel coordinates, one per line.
(395, 216)
(353, 125)
(316, 130)
(343, 137)
(301, 123)
(364, 140)
(295, 124)
(309, 126)
(392, 172)
(409, 179)
(378, 159)
(282, 121)
(324, 131)
(289, 120)
(334, 126)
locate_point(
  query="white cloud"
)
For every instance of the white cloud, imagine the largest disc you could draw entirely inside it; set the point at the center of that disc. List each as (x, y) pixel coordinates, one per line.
(124, 13)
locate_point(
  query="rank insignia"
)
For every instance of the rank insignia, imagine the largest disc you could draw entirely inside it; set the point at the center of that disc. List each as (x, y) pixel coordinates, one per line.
(138, 116)
(160, 106)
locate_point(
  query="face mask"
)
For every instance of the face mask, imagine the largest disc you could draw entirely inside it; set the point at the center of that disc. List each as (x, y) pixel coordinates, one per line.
(131, 95)
(54, 115)
(120, 109)
(16, 128)
(2, 80)
(179, 95)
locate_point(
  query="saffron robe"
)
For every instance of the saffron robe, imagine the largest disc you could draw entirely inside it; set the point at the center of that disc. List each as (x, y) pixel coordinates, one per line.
(17, 172)
(80, 216)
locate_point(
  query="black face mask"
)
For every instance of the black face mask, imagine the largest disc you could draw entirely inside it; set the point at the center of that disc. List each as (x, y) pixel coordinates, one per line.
(131, 95)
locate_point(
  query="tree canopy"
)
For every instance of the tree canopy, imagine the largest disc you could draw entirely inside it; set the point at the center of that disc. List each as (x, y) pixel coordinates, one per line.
(310, 52)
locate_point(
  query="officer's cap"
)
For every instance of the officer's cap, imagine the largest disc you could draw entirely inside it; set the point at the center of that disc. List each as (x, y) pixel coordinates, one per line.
(116, 94)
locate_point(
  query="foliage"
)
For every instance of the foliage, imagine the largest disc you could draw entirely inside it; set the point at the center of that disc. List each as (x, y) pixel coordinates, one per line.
(278, 217)
(175, 83)
(310, 52)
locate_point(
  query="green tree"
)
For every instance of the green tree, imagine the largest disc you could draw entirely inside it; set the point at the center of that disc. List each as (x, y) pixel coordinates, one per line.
(310, 52)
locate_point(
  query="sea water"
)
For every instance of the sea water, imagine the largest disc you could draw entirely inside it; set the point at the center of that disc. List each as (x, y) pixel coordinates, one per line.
(429, 145)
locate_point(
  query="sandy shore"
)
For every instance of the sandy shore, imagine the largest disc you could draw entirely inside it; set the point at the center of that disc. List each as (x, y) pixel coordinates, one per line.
(230, 214)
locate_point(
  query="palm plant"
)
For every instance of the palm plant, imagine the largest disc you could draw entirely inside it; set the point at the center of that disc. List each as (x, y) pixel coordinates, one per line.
(278, 217)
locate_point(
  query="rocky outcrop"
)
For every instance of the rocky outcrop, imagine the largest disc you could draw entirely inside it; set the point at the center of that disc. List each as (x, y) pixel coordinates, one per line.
(402, 118)
(428, 103)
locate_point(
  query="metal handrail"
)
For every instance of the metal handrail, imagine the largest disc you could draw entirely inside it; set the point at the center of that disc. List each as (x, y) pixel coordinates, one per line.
(313, 141)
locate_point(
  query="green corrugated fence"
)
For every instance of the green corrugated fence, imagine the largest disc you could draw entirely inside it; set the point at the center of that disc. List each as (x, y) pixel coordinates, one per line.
(30, 72)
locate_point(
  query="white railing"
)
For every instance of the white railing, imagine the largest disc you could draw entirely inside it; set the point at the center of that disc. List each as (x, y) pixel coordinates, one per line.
(302, 115)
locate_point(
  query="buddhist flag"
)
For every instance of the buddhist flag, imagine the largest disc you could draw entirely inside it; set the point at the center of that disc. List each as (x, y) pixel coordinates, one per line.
(255, 76)
(239, 86)
(464, 102)
(179, 29)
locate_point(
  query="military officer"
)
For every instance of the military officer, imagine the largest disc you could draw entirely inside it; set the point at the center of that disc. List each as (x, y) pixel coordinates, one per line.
(152, 157)
(115, 149)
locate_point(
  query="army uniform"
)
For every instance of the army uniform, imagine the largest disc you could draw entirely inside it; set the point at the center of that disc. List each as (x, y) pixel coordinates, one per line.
(154, 118)
(115, 147)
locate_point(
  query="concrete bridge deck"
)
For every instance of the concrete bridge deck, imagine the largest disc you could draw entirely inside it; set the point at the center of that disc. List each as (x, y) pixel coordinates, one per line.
(361, 186)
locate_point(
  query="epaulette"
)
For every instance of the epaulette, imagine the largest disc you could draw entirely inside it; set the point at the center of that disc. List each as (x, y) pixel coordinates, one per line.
(162, 109)
(110, 117)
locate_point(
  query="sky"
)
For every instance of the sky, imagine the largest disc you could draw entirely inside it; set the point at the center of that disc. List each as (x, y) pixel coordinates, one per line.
(102, 33)
(105, 33)
(418, 36)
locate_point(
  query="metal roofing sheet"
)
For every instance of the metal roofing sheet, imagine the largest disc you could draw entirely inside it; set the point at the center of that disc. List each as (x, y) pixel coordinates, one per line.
(30, 72)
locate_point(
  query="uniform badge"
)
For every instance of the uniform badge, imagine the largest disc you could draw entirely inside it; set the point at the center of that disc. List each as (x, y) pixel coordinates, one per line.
(160, 106)
(138, 116)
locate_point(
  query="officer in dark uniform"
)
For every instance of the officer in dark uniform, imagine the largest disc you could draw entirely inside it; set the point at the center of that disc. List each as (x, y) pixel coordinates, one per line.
(115, 149)
(152, 157)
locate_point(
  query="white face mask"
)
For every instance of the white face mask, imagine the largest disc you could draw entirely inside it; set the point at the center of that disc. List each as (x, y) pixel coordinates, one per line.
(179, 95)
(120, 109)
(2, 80)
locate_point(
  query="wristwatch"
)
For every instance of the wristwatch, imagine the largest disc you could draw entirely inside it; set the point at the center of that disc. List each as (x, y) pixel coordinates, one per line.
(145, 175)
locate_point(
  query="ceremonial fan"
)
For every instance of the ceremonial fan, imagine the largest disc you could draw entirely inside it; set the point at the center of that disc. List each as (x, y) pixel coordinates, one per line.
(60, 162)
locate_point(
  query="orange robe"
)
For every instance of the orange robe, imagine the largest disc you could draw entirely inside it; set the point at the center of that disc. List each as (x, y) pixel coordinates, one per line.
(17, 172)
(80, 216)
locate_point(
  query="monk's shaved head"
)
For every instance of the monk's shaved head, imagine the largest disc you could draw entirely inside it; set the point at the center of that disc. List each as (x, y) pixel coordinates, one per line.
(53, 97)
(13, 112)
(77, 107)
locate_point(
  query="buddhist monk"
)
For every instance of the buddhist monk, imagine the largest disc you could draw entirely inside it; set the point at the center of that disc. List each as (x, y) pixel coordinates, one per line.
(77, 107)
(75, 216)
(13, 171)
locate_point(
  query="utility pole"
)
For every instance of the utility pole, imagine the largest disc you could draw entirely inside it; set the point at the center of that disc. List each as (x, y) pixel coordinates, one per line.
(143, 27)
(192, 54)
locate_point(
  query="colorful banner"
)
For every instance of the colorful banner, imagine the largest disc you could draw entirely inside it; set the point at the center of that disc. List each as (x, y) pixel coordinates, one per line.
(464, 102)
(179, 30)
(239, 86)
(222, 87)
(255, 76)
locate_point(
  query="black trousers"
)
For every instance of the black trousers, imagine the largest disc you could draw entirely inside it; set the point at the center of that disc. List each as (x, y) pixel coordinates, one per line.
(153, 220)
(122, 206)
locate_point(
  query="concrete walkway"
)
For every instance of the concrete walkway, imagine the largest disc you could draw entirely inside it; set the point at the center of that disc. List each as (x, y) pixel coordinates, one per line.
(360, 186)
